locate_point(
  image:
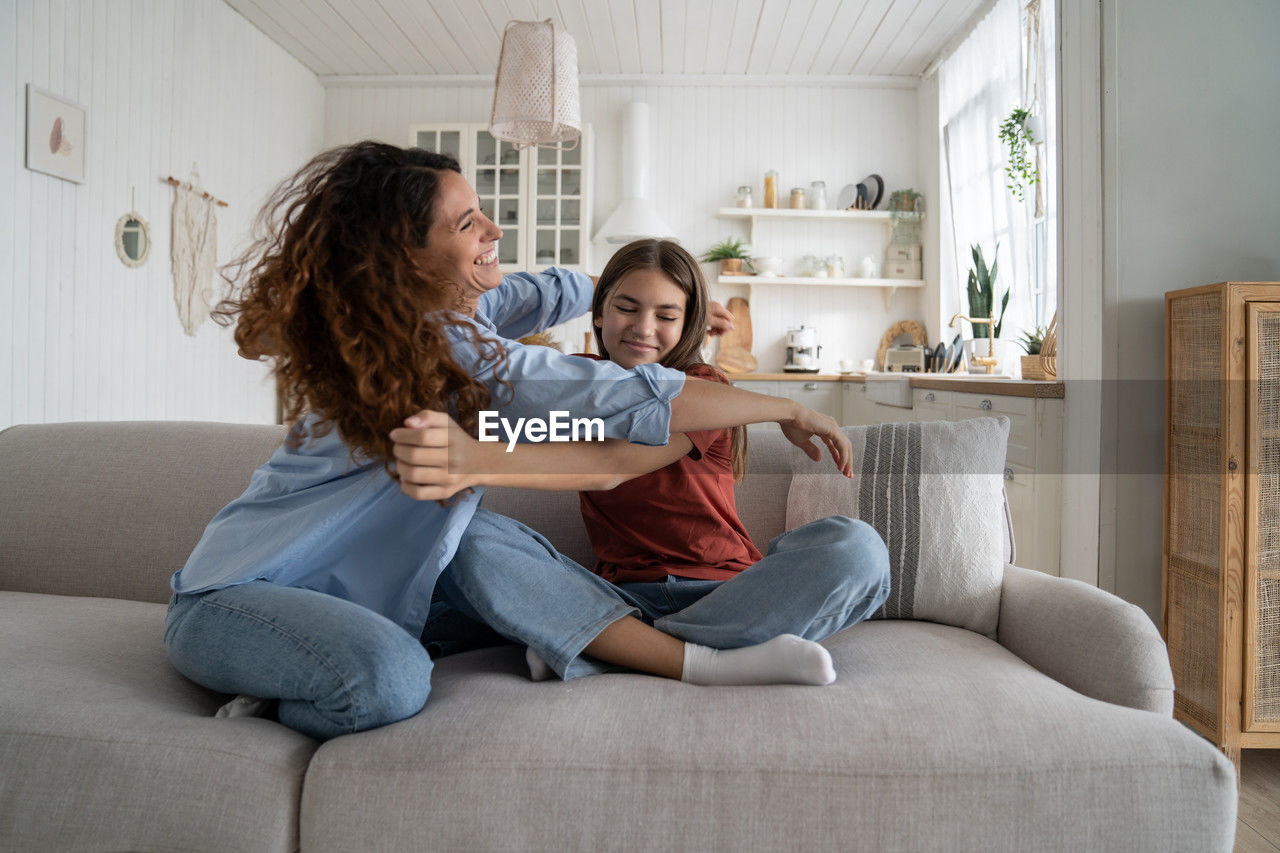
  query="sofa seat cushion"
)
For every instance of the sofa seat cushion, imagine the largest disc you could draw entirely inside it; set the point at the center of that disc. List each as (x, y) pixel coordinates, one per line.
(103, 745)
(931, 738)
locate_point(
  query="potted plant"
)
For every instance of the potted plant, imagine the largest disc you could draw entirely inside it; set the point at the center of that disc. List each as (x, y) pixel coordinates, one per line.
(904, 201)
(905, 207)
(1031, 342)
(982, 282)
(981, 291)
(1017, 136)
(732, 254)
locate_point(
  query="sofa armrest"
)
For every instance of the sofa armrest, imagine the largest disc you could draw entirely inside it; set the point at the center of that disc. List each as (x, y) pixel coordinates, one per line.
(1086, 638)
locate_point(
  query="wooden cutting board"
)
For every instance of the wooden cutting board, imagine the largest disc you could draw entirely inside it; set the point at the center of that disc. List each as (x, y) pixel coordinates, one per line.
(734, 355)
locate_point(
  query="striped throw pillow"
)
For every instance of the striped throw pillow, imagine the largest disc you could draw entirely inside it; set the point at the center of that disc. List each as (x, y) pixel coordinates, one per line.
(935, 492)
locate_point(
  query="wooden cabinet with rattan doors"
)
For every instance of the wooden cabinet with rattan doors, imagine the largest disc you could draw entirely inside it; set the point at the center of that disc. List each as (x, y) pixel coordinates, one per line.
(1221, 589)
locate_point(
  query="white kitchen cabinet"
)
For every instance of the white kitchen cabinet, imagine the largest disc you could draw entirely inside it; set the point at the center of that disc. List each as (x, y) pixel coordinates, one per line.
(820, 395)
(539, 197)
(930, 405)
(859, 409)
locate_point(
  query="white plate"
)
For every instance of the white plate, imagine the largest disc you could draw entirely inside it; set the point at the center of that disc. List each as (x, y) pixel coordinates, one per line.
(847, 197)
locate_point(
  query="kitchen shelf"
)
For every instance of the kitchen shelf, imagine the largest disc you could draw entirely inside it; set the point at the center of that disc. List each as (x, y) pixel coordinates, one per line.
(809, 213)
(888, 285)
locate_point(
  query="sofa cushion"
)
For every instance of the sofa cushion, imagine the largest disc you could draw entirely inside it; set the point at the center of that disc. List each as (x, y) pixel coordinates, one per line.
(935, 492)
(114, 509)
(103, 745)
(931, 738)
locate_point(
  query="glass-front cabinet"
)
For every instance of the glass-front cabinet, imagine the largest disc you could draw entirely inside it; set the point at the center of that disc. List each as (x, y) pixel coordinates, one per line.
(539, 197)
(497, 174)
(558, 197)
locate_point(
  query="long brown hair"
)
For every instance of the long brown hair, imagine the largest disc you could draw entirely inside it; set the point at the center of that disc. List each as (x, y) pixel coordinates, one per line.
(335, 292)
(672, 260)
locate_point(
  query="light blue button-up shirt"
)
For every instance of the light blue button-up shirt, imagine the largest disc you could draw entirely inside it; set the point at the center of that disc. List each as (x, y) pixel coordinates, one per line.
(313, 517)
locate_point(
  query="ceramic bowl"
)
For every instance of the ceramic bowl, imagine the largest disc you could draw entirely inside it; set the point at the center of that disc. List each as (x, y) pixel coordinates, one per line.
(767, 266)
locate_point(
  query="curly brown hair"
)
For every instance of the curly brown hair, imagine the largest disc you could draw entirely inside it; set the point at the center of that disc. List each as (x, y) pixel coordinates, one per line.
(335, 292)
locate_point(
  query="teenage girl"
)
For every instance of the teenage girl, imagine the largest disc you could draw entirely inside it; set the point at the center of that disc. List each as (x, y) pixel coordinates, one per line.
(672, 555)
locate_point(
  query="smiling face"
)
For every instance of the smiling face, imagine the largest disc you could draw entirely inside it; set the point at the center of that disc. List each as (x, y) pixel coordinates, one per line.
(642, 318)
(462, 241)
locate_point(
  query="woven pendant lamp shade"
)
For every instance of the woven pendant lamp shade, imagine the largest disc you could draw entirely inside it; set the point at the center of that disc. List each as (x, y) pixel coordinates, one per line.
(535, 97)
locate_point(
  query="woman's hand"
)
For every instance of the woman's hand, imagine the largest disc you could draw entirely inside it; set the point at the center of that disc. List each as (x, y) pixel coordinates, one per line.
(807, 424)
(435, 457)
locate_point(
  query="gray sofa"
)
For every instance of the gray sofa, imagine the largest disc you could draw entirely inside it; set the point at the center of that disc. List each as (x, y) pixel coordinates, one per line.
(1057, 737)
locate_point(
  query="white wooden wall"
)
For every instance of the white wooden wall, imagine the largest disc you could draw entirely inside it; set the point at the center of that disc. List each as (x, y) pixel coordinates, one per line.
(82, 337)
(705, 141)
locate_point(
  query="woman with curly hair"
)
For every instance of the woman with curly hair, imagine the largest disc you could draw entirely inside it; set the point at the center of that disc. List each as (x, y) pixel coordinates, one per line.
(374, 291)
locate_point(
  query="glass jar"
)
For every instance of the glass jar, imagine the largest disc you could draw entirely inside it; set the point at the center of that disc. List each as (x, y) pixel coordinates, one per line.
(797, 198)
(744, 197)
(818, 195)
(771, 189)
(835, 266)
(808, 265)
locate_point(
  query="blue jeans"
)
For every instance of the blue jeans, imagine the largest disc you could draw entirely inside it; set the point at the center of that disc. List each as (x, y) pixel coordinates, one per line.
(814, 580)
(335, 666)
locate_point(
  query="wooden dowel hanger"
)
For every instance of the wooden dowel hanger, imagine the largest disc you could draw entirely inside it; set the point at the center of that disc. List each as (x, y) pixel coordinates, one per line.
(177, 183)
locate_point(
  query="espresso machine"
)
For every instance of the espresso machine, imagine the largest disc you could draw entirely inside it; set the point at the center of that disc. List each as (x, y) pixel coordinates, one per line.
(802, 350)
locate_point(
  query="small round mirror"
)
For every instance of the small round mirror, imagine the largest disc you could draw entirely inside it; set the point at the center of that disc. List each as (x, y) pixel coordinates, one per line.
(133, 239)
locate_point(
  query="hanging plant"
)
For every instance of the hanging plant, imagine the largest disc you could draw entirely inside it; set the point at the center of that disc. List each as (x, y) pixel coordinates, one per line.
(1016, 135)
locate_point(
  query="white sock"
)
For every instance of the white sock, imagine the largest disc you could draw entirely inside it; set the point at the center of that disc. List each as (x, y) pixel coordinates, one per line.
(538, 669)
(786, 659)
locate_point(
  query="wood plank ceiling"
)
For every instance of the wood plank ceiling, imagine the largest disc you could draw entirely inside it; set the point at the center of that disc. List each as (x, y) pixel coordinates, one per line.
(413, 38)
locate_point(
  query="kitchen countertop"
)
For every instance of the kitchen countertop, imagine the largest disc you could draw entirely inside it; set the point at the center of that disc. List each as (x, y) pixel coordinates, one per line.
(973, 383)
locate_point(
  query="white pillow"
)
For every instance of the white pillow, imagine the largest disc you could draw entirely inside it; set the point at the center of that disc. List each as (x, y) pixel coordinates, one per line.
(935, 492)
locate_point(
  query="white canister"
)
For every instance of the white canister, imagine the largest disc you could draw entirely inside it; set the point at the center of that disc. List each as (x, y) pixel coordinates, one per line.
(869, 268)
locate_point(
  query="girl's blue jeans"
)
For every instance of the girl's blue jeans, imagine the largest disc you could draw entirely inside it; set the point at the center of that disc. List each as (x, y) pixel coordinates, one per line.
(337, 667)
(813, 581)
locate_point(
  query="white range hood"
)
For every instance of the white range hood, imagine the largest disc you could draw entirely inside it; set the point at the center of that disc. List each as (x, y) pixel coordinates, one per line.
(635, 217)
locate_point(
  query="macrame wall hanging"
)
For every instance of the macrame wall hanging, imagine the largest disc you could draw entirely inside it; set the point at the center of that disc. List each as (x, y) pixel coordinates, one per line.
(195, 247)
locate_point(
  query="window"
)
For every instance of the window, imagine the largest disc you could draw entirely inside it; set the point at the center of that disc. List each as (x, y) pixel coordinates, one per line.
(1004, 63)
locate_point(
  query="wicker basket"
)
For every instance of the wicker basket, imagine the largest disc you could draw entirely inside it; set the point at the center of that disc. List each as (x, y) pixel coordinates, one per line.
(1032, 368)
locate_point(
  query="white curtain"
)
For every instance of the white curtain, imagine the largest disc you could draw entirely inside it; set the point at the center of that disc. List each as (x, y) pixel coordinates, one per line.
(978, 86)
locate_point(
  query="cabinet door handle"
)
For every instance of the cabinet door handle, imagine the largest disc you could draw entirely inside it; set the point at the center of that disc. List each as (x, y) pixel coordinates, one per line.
(1008, 473)
(811, 386)
(862, 388)
(985, 404)
(930, 397)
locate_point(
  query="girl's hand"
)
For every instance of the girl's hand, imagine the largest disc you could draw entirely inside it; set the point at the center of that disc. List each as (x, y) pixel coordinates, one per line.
(807, 424)
(719, 319)
(435, 458)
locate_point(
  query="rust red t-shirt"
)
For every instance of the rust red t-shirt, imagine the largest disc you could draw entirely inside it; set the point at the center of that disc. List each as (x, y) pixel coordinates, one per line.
(679, 520)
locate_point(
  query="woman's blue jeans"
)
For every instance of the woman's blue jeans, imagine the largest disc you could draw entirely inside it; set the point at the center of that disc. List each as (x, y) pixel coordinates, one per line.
(335, 666)
(813, 581)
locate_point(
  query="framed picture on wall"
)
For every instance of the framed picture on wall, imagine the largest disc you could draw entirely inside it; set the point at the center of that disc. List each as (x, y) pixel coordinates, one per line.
(55, 135)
